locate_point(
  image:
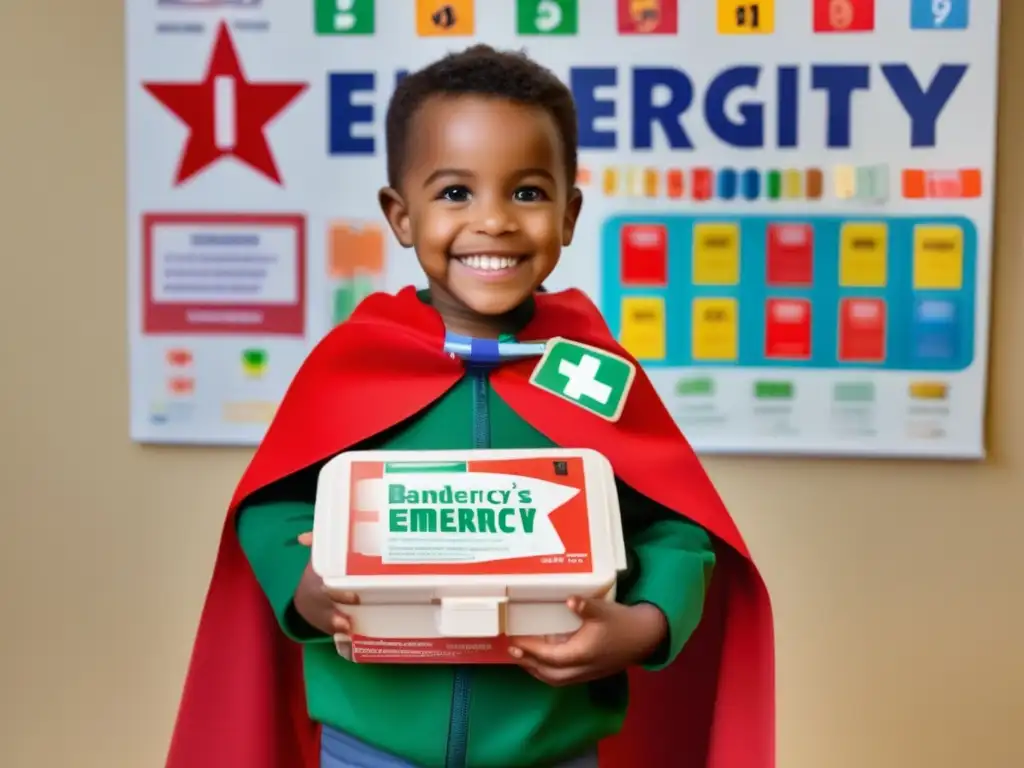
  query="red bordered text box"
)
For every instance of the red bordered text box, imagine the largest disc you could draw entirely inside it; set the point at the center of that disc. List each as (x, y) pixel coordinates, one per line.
(225, 288)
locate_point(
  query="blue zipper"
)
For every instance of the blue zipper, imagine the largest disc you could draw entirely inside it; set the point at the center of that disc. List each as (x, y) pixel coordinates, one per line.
(458, 726)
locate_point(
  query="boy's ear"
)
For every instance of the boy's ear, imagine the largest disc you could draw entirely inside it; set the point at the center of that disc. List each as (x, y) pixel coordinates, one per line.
(395, 211)
(572, 213)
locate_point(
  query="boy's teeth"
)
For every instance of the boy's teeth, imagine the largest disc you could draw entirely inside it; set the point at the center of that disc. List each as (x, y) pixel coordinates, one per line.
(489, 262)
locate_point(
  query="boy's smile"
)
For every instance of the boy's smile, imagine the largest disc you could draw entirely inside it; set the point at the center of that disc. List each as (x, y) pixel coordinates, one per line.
(485, 201)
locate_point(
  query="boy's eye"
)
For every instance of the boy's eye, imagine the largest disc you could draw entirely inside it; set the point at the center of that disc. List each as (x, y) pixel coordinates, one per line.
(455, 194)
(529, 195)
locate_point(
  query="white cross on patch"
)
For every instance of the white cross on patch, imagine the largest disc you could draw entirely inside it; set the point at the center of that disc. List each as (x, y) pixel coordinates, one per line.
(582, 380)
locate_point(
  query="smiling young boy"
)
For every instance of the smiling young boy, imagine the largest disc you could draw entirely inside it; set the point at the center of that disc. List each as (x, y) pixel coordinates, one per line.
(481, 171)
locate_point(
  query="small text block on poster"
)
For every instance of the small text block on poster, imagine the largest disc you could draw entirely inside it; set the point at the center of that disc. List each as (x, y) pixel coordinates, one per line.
(208, 273)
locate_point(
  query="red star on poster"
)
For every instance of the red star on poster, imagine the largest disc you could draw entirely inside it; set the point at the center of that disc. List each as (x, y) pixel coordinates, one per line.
(226, 114)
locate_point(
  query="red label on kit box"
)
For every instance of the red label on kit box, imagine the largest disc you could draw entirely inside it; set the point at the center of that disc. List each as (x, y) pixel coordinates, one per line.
(861, 330)
(788, 329)
(553, 492)
(433, 650)
(644, 249)
(217, 274)
(790, 254)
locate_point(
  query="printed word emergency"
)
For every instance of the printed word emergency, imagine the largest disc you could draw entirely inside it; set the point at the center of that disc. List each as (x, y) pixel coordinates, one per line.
(496, 517)
(665, 103)
(461, 520)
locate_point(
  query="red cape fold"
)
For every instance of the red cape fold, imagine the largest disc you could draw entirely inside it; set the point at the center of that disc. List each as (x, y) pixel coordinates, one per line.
(243, 704)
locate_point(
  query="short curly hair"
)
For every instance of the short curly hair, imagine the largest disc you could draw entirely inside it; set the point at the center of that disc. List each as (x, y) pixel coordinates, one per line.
(484, 71)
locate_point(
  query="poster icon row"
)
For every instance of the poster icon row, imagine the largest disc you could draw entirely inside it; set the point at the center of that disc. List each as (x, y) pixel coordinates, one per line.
(785, 332)
(457, 18)
(864, 252)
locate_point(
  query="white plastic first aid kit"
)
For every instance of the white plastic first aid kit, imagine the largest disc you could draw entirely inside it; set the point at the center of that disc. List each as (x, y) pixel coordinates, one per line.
(452, 553)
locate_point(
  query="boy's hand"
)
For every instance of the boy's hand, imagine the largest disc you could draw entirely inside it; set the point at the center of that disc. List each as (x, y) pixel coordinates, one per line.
(320, 607)
(612, 638)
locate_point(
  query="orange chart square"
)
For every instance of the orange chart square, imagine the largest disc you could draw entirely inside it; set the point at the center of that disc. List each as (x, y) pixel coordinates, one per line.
(354, 249)
(913, 184)
(970, 182)
(675, 183)
(445, 18)
(967, 184)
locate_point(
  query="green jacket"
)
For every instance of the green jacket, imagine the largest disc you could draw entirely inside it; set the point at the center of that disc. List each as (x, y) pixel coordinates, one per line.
(440, 716)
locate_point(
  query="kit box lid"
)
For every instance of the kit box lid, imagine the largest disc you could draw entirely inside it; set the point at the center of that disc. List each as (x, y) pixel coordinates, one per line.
(470, 522)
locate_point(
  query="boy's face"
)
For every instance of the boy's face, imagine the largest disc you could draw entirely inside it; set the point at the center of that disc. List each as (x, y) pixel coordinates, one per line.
(485, 201)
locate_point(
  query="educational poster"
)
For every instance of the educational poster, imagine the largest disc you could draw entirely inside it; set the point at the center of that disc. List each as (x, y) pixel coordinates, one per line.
(787, 217)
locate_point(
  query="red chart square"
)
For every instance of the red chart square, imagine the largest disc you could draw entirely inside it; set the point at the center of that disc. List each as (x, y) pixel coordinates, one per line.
(644, 249)
(703, 183)
(861, 330)
(788, 329)
(844, 15)
(648, 17)
(790, 254)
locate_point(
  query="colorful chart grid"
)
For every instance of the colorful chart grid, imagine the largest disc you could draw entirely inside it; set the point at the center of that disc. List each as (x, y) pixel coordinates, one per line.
(893, 293)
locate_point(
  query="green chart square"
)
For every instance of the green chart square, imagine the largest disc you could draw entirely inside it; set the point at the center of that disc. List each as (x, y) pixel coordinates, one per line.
(347, 296)
(344, 17)
(588, 377)
(548, 17)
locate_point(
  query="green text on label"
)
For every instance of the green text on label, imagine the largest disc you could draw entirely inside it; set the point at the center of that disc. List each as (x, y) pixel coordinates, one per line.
(478, 510)
(461, 519)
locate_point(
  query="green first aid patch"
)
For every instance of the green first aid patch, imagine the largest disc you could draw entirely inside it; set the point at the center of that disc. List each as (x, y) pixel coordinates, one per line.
(591, 378)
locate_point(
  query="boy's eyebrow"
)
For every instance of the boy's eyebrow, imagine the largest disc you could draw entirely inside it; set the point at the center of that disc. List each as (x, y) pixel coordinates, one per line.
(440, 172)
(462, 173)
(537, 172)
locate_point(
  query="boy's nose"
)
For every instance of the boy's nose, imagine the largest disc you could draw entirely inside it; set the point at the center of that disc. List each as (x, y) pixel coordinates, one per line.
(495, 219)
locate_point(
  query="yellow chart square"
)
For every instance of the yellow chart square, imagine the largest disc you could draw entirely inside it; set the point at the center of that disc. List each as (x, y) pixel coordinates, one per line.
(651, 182)
(863, 255)
(715, 329)
(792, 184)
(938, 257)
(716, 253)
(929, 390)
(610, 181)
(845, 177)
(746, 17)
(634, 181)
(445, 18)
(643, 327)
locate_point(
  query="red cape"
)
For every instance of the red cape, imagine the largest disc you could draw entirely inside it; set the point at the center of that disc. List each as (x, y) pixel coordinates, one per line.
(244, 701)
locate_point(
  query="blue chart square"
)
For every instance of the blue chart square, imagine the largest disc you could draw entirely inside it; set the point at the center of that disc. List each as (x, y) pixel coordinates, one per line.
(728, 183)
(936, 330)
(751, 184)
(938, 14)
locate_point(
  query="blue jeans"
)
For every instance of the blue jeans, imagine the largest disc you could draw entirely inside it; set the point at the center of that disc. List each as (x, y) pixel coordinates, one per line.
(339, 750)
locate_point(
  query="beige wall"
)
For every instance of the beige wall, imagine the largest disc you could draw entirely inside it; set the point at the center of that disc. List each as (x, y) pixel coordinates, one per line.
(108, 546)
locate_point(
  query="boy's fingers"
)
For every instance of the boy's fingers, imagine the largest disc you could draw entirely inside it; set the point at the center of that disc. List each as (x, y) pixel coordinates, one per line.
(343, 598)
(341, 623)
(570, 653)
(555, 676)
(593, 609)
(306, 539)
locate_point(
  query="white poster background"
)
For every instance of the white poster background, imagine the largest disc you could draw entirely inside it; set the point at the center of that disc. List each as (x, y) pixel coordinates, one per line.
(194, 387)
